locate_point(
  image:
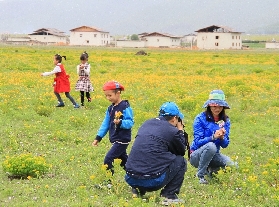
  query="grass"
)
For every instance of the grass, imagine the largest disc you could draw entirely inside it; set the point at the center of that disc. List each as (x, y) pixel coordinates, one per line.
(31, 124)
(255, 37)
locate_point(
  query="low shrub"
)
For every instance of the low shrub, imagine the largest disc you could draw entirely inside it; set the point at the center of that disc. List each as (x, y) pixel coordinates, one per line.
(25, 166)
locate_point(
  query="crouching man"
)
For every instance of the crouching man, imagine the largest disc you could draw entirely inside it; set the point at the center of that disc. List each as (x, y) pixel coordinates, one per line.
(156, 159)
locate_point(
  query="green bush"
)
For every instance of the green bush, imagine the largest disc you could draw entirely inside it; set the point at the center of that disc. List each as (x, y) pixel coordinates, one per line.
(25, 166)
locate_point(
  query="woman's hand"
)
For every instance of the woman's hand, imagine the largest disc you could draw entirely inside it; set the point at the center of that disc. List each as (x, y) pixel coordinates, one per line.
(219, 134)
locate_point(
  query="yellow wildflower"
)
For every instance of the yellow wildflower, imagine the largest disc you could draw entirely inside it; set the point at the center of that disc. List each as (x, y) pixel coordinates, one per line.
(92, 177)
(118, 114)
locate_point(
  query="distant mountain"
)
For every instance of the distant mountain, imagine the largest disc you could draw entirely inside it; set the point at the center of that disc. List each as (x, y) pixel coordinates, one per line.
(265, 29)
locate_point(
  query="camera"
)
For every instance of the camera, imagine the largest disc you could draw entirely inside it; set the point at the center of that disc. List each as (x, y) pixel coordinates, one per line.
(180, 120)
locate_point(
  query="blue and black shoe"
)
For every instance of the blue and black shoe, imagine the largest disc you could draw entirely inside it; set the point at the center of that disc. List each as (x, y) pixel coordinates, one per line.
(76, 106)
(61, 104)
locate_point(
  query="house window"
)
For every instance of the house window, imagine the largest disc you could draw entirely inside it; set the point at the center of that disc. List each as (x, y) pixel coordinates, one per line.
(80, 35)
(232, 37)
(95, 35)
(238, 44)
(216, 44)
(157, 40)
(232, 44)
(87, 41)
(216, 37)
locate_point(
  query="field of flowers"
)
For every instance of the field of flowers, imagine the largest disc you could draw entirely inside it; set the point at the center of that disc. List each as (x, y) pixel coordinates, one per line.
(57, 141)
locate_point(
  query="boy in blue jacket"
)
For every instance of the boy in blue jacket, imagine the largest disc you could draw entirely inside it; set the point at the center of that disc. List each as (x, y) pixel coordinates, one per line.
(118, 122)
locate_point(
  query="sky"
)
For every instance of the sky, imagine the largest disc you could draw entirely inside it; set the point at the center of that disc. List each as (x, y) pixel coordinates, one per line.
(124, 17)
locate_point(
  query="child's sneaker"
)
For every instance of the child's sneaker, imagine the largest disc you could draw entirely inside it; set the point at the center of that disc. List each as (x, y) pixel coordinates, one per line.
(82, 104)
(89, 99)
(202, 180)
(76, 106)
(61, 104)
(168, 201)
(135, 193)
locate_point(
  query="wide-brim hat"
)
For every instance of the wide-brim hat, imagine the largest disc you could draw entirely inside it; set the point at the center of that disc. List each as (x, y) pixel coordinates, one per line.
(216, 98)
(170, 109)
(112, 85)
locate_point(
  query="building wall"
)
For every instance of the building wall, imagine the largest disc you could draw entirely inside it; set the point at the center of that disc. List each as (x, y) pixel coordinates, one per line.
(189, 39)
(49, 38)
(159, 41)
(272, 45)
(89, 38)
(18, 39)
(219, 40)
(121, 43)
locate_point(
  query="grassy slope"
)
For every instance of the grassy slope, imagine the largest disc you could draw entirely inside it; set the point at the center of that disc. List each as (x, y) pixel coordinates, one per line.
(64, 136)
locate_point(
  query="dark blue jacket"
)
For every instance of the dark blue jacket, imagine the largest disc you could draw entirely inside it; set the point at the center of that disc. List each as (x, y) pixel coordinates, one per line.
(121, 132)
(204, 128)
(156, 146)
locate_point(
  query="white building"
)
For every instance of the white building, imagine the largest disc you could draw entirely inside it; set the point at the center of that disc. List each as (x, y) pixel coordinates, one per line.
(49, 36)
(156, 39)
(130, 43)
(89, 36)
(218, 37)
(272, 45)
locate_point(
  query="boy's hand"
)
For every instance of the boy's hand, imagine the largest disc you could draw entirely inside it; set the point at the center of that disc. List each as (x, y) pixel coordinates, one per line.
(95, 143)
(116, 121)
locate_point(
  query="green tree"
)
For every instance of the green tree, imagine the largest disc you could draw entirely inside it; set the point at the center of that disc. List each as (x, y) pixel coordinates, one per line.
(134, 37)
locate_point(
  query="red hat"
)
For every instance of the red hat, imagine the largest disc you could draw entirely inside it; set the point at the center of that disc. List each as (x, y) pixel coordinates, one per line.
(112, 85)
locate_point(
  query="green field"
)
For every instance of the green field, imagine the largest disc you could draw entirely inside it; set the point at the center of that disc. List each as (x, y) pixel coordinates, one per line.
(30, 123)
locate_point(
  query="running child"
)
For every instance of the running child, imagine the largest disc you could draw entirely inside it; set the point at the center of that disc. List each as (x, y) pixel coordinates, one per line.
(61, 81)
(118, 122)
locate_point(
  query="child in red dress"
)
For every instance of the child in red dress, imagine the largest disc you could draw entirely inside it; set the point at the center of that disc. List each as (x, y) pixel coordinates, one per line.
(61, 81)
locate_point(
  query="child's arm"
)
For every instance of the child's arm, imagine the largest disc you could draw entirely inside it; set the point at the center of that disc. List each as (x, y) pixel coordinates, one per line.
(102, 130)
(78, 69)
(95, 142)
(57, 69)
(128, 121)
(87, 69)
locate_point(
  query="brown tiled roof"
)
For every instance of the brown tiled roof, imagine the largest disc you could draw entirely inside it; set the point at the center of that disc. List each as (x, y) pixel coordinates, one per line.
(160, 34)
(88, 29)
